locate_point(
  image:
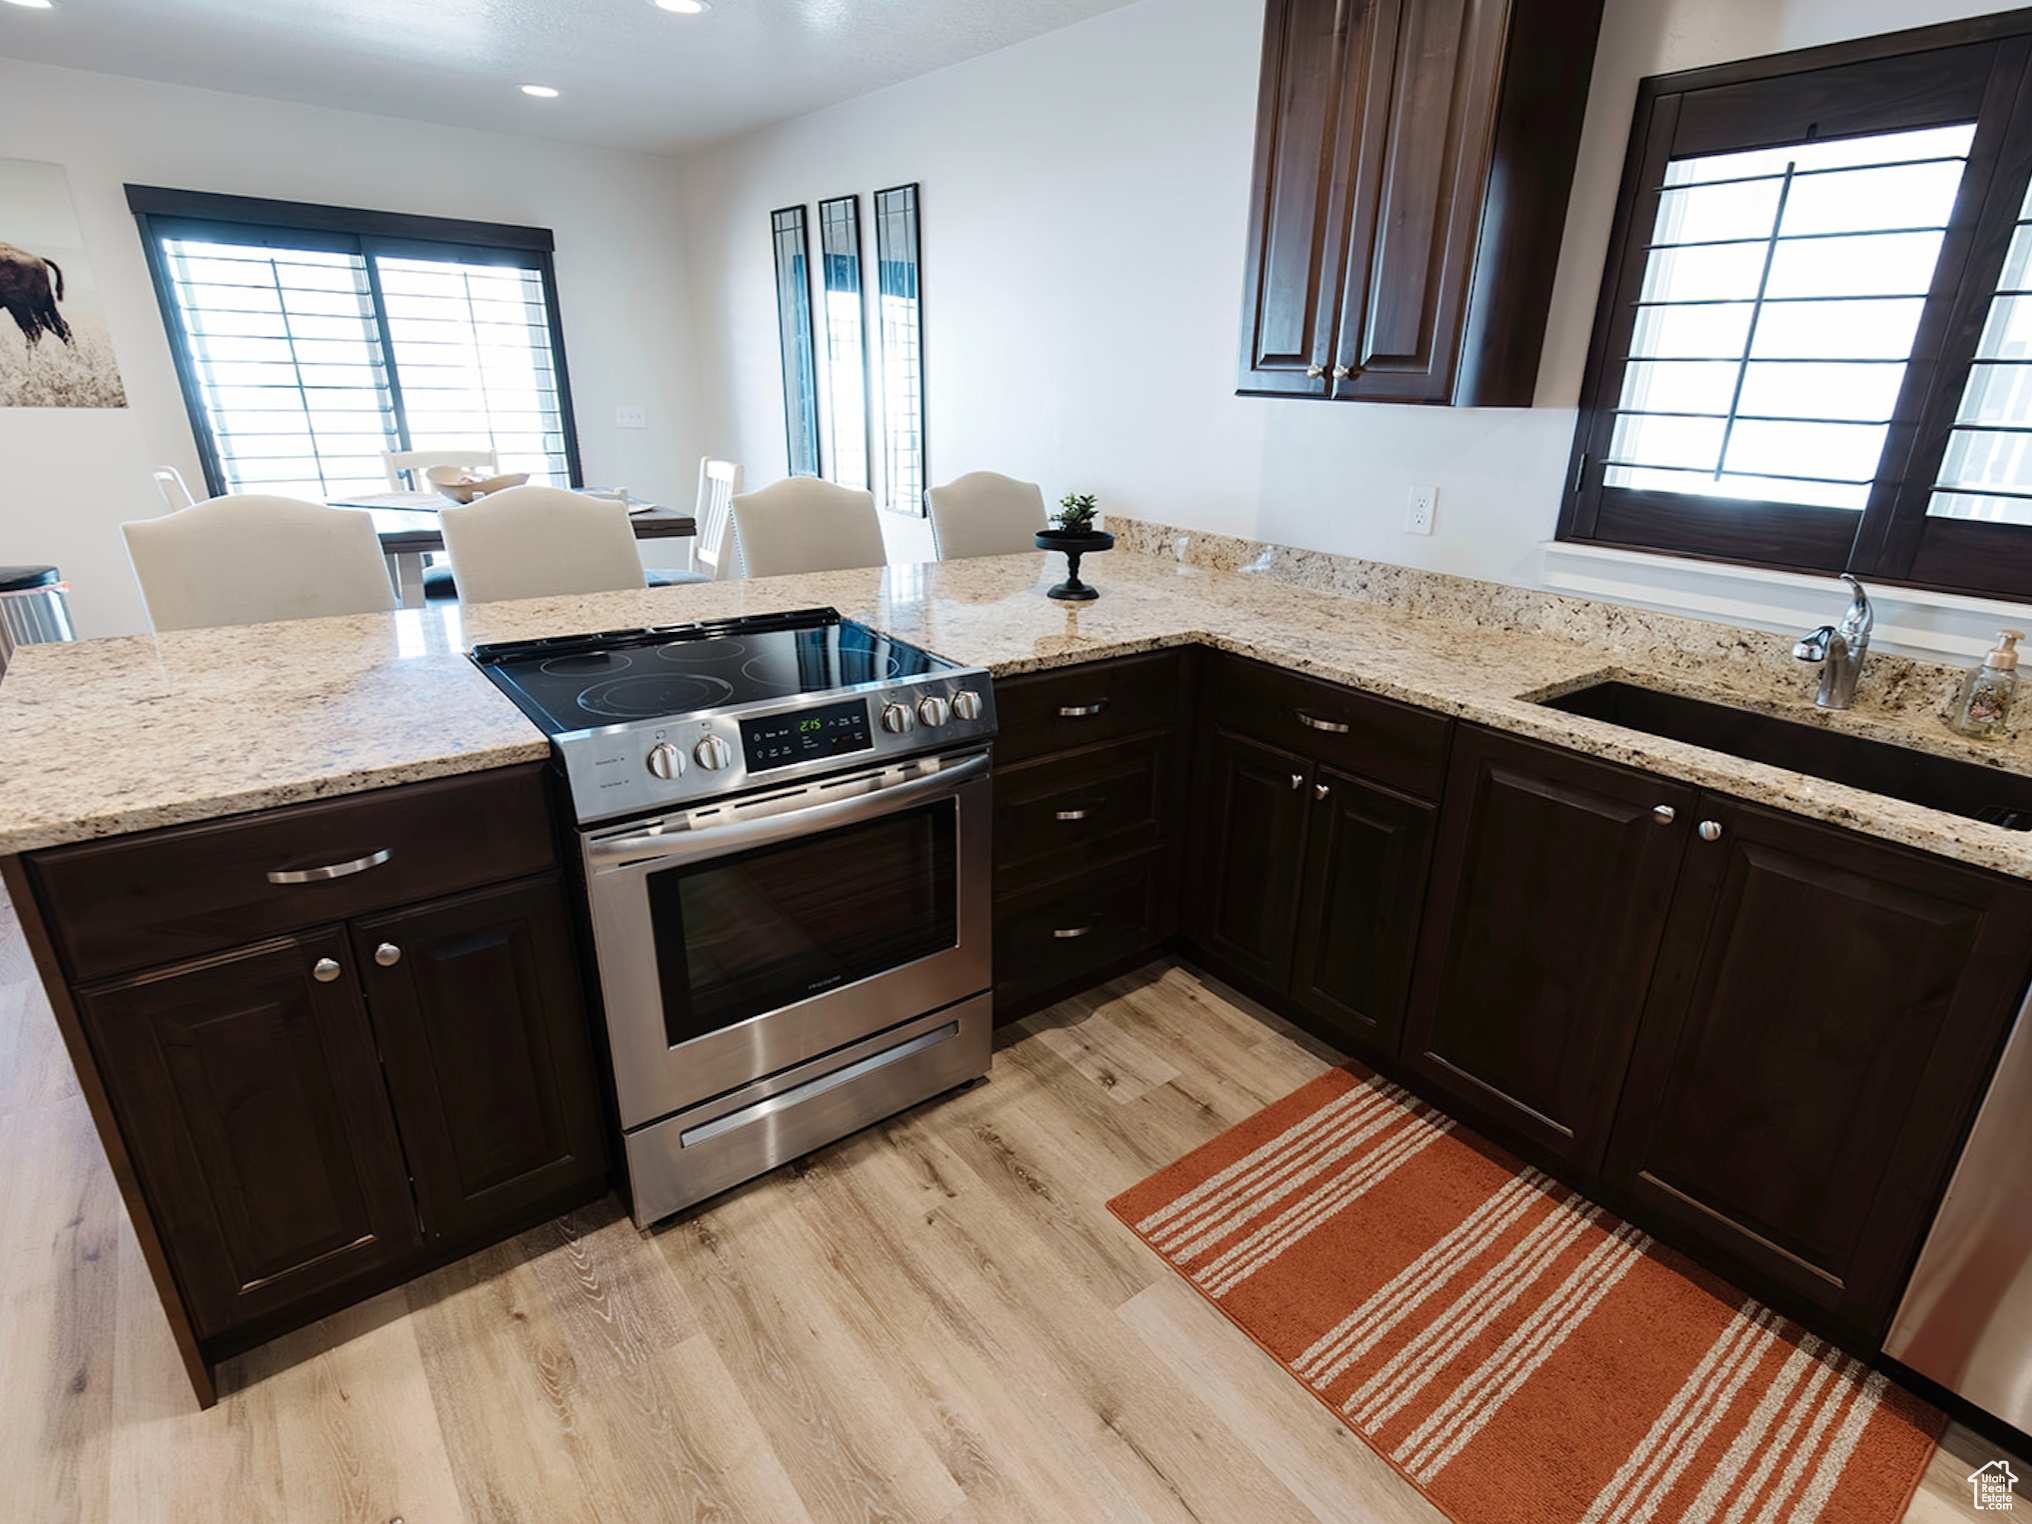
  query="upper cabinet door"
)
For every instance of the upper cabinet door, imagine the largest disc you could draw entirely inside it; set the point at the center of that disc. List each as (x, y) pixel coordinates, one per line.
(1825, 1016)
(1550, 886)
(1299, 209)
(1413, 159)
(487, 1048)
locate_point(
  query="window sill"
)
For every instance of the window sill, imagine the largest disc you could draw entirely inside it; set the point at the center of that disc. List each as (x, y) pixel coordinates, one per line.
(1931, 626)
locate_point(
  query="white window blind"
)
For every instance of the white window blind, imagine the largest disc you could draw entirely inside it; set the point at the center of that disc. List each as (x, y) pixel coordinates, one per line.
(308, 363)
(1782, 291)
(1987, 470)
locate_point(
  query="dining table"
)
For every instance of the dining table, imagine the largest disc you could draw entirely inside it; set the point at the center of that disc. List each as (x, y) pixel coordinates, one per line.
(409, 529)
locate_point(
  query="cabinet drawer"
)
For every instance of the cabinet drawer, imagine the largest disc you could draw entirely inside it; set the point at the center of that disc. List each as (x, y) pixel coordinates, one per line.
(1057, 933)
(163, 896)
(1055, 711)
(1373, 737)
(1051, 817)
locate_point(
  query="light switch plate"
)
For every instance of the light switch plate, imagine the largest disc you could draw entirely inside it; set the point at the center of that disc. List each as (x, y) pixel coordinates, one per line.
(631, 417)
(1420, 511)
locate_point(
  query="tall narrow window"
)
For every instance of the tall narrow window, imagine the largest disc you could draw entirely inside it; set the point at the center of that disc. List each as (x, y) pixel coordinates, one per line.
(794, 334)
(839, 227)
(1986, 473)
(902, 338)
(310, 339)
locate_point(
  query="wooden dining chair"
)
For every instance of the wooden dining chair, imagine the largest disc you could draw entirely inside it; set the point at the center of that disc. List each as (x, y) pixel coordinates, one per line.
(984, 514)
(805, 525)
(537, 542)
(248, 558)
(405, 468)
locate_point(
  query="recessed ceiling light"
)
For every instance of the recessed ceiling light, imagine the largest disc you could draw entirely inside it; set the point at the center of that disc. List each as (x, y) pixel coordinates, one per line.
(44, 5)
(541, 92)
(683, 7)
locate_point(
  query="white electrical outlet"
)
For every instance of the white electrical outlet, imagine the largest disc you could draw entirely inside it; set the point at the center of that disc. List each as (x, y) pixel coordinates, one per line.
(631, 417)
(1418, 514)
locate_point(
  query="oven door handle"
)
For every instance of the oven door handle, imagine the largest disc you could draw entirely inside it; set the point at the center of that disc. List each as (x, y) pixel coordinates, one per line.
(736, 835)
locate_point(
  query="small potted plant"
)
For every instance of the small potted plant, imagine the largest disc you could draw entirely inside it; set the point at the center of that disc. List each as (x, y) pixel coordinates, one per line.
(1073, 533)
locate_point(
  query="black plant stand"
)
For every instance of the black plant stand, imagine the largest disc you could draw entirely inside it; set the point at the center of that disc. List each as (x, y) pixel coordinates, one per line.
(1075, 543)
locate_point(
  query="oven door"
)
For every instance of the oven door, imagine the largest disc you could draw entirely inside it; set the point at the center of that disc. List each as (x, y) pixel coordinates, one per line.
(741, 939)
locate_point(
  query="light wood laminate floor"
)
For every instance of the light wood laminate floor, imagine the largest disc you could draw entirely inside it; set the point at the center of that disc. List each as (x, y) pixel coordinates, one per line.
(935, 1320)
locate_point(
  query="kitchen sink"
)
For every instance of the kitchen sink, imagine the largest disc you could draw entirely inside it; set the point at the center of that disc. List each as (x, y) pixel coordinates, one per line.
(1941, 783)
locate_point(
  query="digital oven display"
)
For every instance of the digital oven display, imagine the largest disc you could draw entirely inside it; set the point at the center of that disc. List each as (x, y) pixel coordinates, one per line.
(831, 731)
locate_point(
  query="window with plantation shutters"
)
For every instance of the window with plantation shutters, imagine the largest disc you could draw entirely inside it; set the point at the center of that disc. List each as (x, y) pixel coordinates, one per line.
(1814, 344)
(311, 339)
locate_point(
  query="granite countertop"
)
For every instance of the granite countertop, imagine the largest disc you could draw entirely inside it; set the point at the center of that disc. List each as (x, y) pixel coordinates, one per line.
(104, 737)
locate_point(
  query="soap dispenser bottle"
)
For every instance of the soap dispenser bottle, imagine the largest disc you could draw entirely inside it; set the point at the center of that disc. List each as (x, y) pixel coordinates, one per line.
(1985, 706)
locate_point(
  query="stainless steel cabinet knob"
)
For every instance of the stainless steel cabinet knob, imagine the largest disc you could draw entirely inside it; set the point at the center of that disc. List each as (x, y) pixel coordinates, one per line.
(1710, 830)
(1298, 780)
(666, 761)
(966, 705)
(388, 955)
(897, 718)
(1664, 814)
(713, 754)
(325, 970)
(1320, 790)
(933, 710)
(1315, 371)
(1341, 373)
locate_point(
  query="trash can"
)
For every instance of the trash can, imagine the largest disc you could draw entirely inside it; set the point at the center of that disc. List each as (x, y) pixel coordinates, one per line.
(32, 609)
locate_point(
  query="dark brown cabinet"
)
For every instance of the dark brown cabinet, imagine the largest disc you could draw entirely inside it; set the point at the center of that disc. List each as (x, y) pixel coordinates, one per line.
(488, 1052)
(1413, 159)
(1826, 1011)
(1311, 847)
(252, 1103)
(1548, 903)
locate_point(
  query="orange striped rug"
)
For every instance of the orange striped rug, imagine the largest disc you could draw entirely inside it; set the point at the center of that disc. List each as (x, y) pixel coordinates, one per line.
(1517, 1353)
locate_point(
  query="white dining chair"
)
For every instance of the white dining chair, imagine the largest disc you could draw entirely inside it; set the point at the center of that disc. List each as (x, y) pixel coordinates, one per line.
(805, 525)
(718, 482)
(413, 463)
(169, 486)
(537, 542)
(248, 559)
(984, 514)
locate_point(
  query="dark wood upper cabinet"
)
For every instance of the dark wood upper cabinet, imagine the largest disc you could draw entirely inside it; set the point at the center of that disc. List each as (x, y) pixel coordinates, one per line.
(1413, 159)
(484, 1036)
(252, 1104)
(1549, 893)
(1826, 1012)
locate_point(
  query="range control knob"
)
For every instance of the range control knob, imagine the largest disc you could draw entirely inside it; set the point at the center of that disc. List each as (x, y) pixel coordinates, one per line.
(666, 761)
(933, 710)
(897, 718)
(966, 705)
(713, 754)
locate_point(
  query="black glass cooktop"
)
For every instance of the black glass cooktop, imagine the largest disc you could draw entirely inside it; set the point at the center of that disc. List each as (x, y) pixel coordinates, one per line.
(584, 682)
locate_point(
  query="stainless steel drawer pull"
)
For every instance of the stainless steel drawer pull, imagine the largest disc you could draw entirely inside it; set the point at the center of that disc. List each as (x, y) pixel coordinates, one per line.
(331, 870)
(1067, 933)
(1070, 815)
(1331, 727)
(325, 970)
(1081, 711)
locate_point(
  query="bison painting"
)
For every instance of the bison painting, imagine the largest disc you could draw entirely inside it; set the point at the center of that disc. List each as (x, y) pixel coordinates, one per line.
(30, 288)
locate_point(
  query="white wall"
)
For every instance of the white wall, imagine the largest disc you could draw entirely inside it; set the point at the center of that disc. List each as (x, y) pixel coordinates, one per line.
(1084, 205)
(69, 477)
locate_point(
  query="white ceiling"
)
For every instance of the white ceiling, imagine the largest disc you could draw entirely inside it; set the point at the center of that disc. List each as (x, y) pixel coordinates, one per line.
(630, 75)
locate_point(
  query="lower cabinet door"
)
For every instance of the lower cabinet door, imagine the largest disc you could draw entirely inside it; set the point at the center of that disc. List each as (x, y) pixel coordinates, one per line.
(485, 1039)
(254, 1112)
(1824, 1021)
(1550, 887)
(1366, 854)
(1249, 840)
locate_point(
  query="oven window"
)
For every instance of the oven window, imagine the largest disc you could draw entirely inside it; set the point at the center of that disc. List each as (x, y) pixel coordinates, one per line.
(739, 936)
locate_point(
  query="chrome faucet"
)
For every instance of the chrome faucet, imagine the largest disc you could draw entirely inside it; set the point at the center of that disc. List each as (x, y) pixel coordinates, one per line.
(1839, 649)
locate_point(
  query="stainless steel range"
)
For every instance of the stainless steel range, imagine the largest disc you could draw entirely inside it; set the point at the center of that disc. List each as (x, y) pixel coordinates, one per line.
(783, 822)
